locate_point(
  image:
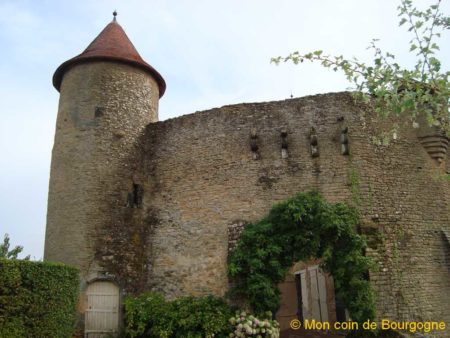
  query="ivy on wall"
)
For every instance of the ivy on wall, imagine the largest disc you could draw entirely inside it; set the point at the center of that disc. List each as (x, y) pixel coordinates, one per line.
(302, 228)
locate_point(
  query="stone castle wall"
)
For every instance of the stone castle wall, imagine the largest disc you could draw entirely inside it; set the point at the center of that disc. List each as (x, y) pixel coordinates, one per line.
(158, 205)
(201, 180)
(103, 109)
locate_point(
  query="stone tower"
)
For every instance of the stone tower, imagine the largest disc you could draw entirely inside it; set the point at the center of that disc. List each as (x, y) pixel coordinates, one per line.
(108, 94)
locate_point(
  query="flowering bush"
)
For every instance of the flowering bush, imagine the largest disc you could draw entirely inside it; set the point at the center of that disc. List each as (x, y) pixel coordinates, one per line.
(246, 325)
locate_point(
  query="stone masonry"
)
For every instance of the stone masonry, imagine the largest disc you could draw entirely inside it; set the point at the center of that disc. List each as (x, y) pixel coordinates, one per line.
(202, 177)
(158, 205)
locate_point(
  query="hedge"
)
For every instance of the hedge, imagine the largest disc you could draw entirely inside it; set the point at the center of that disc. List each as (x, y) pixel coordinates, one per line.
(149, 315)
(37, 299)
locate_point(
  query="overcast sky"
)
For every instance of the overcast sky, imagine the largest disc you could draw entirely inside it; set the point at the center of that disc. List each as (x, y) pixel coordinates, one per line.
(211, 53)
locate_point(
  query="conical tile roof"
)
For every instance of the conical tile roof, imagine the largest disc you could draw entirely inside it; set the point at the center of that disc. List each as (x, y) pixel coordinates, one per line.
(111, 44)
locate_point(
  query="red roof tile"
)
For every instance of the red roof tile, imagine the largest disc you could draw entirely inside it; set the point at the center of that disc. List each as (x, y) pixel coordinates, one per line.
(111, 44)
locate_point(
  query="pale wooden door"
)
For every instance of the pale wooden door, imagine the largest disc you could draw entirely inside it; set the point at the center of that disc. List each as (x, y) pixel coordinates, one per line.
(102, 312)
(313, 294)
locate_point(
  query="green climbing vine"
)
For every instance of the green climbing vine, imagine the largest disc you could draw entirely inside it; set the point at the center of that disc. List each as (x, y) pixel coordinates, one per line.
(303, 227)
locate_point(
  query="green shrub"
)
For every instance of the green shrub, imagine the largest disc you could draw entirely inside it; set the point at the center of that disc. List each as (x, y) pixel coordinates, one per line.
(150, 315)
(12, 328)
(37, 299)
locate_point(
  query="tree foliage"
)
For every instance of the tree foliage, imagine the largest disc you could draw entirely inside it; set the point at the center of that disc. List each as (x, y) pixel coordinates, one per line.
(302, 228)
(395, 90)
(6, 253)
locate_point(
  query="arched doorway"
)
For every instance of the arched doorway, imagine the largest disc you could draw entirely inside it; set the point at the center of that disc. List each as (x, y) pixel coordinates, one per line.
(102, 309)
(307, 293)
(304, 228)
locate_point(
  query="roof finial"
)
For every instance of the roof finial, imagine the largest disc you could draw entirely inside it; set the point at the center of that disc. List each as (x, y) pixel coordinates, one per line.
(114, 14)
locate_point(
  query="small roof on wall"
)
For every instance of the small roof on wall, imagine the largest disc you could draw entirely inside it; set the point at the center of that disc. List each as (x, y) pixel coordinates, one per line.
(111, 44)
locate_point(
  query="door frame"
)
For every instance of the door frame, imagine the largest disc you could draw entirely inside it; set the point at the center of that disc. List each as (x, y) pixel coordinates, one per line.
(112, 280)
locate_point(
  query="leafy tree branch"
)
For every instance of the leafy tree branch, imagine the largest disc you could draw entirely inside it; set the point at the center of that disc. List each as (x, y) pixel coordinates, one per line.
(392, 89)
(6, 253)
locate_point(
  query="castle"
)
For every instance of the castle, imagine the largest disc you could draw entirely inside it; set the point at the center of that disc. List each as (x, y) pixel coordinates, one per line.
(141, 204)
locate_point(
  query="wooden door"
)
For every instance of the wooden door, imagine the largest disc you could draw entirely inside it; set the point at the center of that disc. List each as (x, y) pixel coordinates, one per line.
(102, 312)
(313, 294)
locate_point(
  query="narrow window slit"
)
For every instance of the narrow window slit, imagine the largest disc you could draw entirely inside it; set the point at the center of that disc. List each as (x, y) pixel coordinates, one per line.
(135, 197)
